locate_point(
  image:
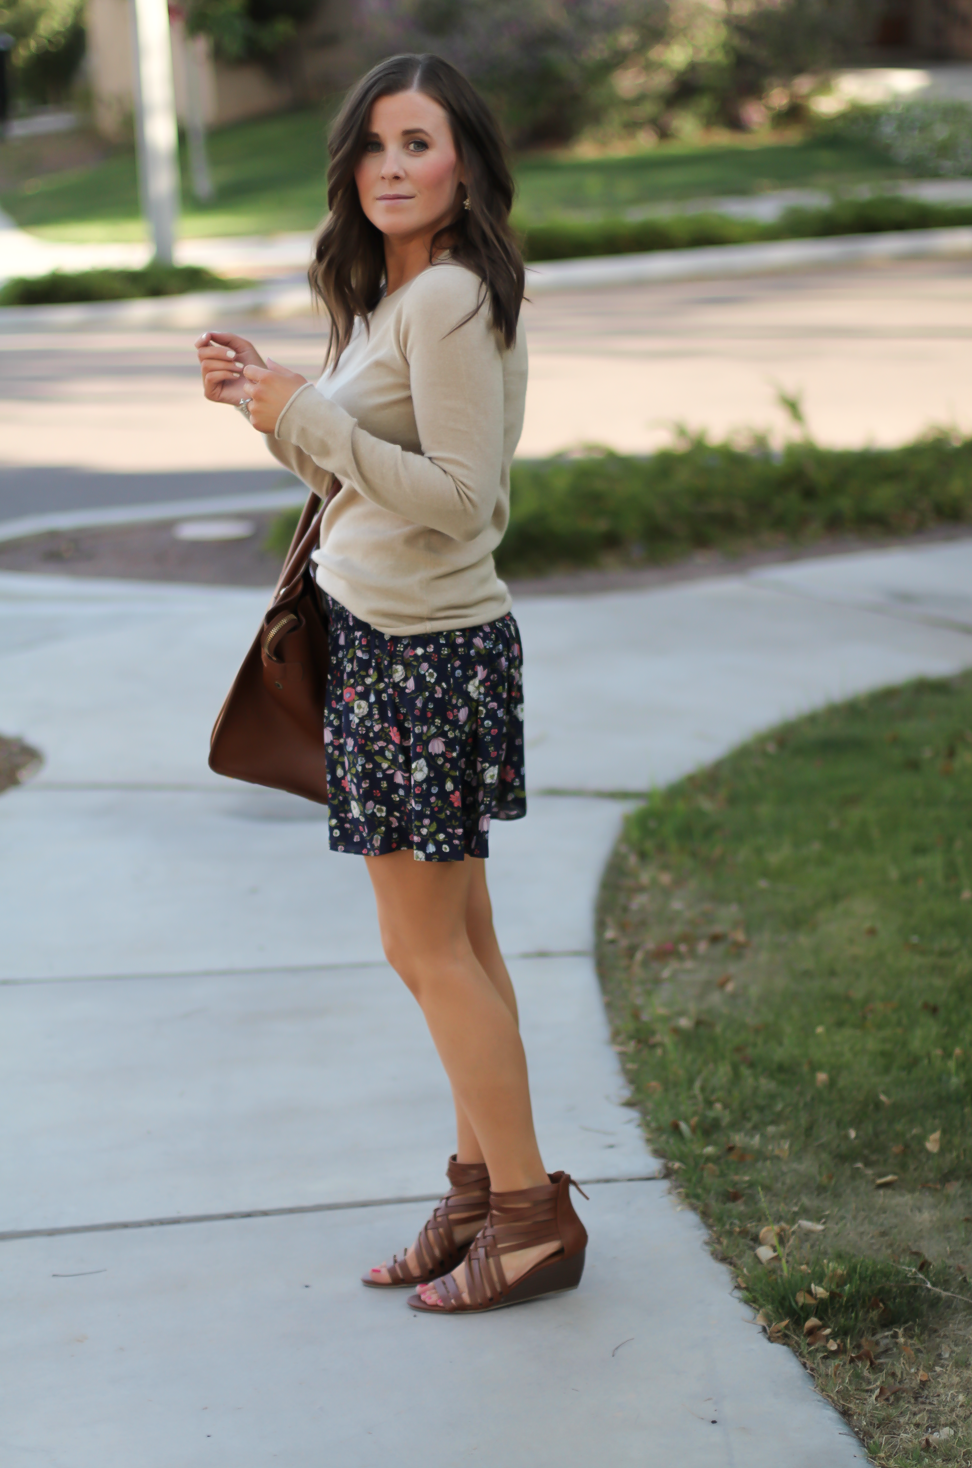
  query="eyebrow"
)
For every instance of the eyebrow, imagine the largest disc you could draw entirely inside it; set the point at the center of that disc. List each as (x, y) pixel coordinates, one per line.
(407, 132)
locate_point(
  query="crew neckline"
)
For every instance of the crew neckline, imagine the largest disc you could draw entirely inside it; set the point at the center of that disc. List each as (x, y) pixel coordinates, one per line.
(444, 259)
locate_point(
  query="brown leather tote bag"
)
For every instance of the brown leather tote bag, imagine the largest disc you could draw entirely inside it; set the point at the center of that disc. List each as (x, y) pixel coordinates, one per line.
(270, 730)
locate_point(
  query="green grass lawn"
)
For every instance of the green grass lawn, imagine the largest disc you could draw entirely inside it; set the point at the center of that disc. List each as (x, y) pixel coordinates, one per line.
(270, 177)
(785, 943)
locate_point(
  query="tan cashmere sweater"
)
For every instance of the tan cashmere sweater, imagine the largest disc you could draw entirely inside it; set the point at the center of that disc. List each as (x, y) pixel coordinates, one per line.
(419, 423)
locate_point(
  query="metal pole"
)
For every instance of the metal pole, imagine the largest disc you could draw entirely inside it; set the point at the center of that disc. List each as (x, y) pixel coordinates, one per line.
(202, 184)
(157, 131)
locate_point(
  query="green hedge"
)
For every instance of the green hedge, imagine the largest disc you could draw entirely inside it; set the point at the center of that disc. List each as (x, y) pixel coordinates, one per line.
(569, 240)
(618, 510)
(62, 287)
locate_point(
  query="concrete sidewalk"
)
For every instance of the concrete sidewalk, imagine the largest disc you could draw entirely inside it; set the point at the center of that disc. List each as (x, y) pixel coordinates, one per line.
(198, 1024)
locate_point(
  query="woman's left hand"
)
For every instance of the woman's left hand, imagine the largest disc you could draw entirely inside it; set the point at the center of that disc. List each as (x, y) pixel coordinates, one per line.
(269, 389)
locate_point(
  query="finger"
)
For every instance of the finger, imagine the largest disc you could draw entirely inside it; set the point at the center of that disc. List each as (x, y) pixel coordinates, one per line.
(218, 354)
(256, 374)
(214, 379)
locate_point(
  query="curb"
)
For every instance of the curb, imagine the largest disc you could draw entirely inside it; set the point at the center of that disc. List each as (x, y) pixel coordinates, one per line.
(774, 257)
(227, 504)
(286, 298)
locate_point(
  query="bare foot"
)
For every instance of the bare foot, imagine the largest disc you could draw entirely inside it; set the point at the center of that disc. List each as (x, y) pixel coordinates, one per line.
(515, 1265)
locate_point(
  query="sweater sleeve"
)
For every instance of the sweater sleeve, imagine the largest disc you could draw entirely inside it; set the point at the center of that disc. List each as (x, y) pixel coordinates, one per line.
(301, 464)
(456, 383)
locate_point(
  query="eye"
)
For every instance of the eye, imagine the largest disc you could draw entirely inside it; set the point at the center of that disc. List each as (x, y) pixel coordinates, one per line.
(372, 146)
(420, 144)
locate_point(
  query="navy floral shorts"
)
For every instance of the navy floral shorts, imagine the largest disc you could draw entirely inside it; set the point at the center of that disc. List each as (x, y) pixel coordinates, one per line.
(424, 737)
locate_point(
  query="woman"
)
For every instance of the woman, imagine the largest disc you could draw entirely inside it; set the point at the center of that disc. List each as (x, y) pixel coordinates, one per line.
(417, 416)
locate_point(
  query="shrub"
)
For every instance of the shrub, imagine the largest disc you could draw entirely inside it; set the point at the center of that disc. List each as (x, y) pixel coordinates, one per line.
(570, 513)
(926, 135)
(61, 287)
(569, 239)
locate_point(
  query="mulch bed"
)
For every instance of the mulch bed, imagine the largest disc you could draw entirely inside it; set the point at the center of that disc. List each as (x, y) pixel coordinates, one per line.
(17, 759)
(151, 553)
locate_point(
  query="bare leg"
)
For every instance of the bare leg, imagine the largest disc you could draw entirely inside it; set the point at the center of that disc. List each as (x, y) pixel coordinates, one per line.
(482, 938)
(422, 913)
(484, 944)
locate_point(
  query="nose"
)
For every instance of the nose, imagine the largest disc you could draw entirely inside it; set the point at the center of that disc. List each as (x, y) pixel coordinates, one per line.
(392, 165)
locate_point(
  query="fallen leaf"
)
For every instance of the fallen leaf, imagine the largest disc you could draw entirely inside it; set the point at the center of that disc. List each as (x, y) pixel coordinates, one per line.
(933, 1142)
(851, 1133)
(819, 1293)
(864, 1354)
(885, 1099)
(819, 1338)
(768, 1235)
(763, 1319)
(875, 1304)
(833, 1345)
(765, 1254)
(899, 1148)
(733, 1195)
(809, 1326)
(653, 1087)
(885, 1182)
(802, 1298)
(777, 1330)
(805, 1226)
(884, 1393)
(923, 1376)
(725, 982)
(823, 1079)
(907, 1351)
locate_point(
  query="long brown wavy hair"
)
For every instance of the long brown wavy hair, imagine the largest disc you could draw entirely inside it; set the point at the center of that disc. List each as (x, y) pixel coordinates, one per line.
(348, 272)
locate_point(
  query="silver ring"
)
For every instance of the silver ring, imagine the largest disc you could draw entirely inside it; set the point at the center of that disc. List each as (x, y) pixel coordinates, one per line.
(244, 407)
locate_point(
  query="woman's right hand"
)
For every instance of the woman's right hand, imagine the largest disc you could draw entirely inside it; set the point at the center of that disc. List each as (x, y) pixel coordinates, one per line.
(222, 357)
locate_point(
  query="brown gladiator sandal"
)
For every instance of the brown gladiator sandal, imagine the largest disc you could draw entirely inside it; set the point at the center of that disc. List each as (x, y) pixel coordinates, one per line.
(518, 1220)
(436, 1246)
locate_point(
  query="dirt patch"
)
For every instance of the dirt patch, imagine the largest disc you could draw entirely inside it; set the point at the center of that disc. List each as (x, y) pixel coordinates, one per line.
(152, 553)
(147, 553)
(18, 761)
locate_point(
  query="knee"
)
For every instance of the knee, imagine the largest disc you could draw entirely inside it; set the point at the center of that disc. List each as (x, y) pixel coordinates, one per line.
(402, 959)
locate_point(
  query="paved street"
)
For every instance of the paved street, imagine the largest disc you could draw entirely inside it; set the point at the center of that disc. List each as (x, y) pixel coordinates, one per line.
(879, 354)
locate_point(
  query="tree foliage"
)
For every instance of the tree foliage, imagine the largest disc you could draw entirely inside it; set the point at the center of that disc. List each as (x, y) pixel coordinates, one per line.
(49, 45)
(545, 65)
(249, 30)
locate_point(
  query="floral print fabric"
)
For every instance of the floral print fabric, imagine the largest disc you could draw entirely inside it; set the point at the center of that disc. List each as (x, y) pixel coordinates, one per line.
(424, 737)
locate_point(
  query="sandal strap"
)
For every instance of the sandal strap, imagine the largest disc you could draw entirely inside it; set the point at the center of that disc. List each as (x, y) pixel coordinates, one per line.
(520, 1220)
(436, 1247)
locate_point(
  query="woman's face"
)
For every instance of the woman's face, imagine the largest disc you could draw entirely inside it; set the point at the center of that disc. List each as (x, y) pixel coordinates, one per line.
(409, 173)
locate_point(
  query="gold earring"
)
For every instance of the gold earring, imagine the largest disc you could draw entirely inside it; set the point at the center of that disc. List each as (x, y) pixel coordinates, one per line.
(465, 203)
